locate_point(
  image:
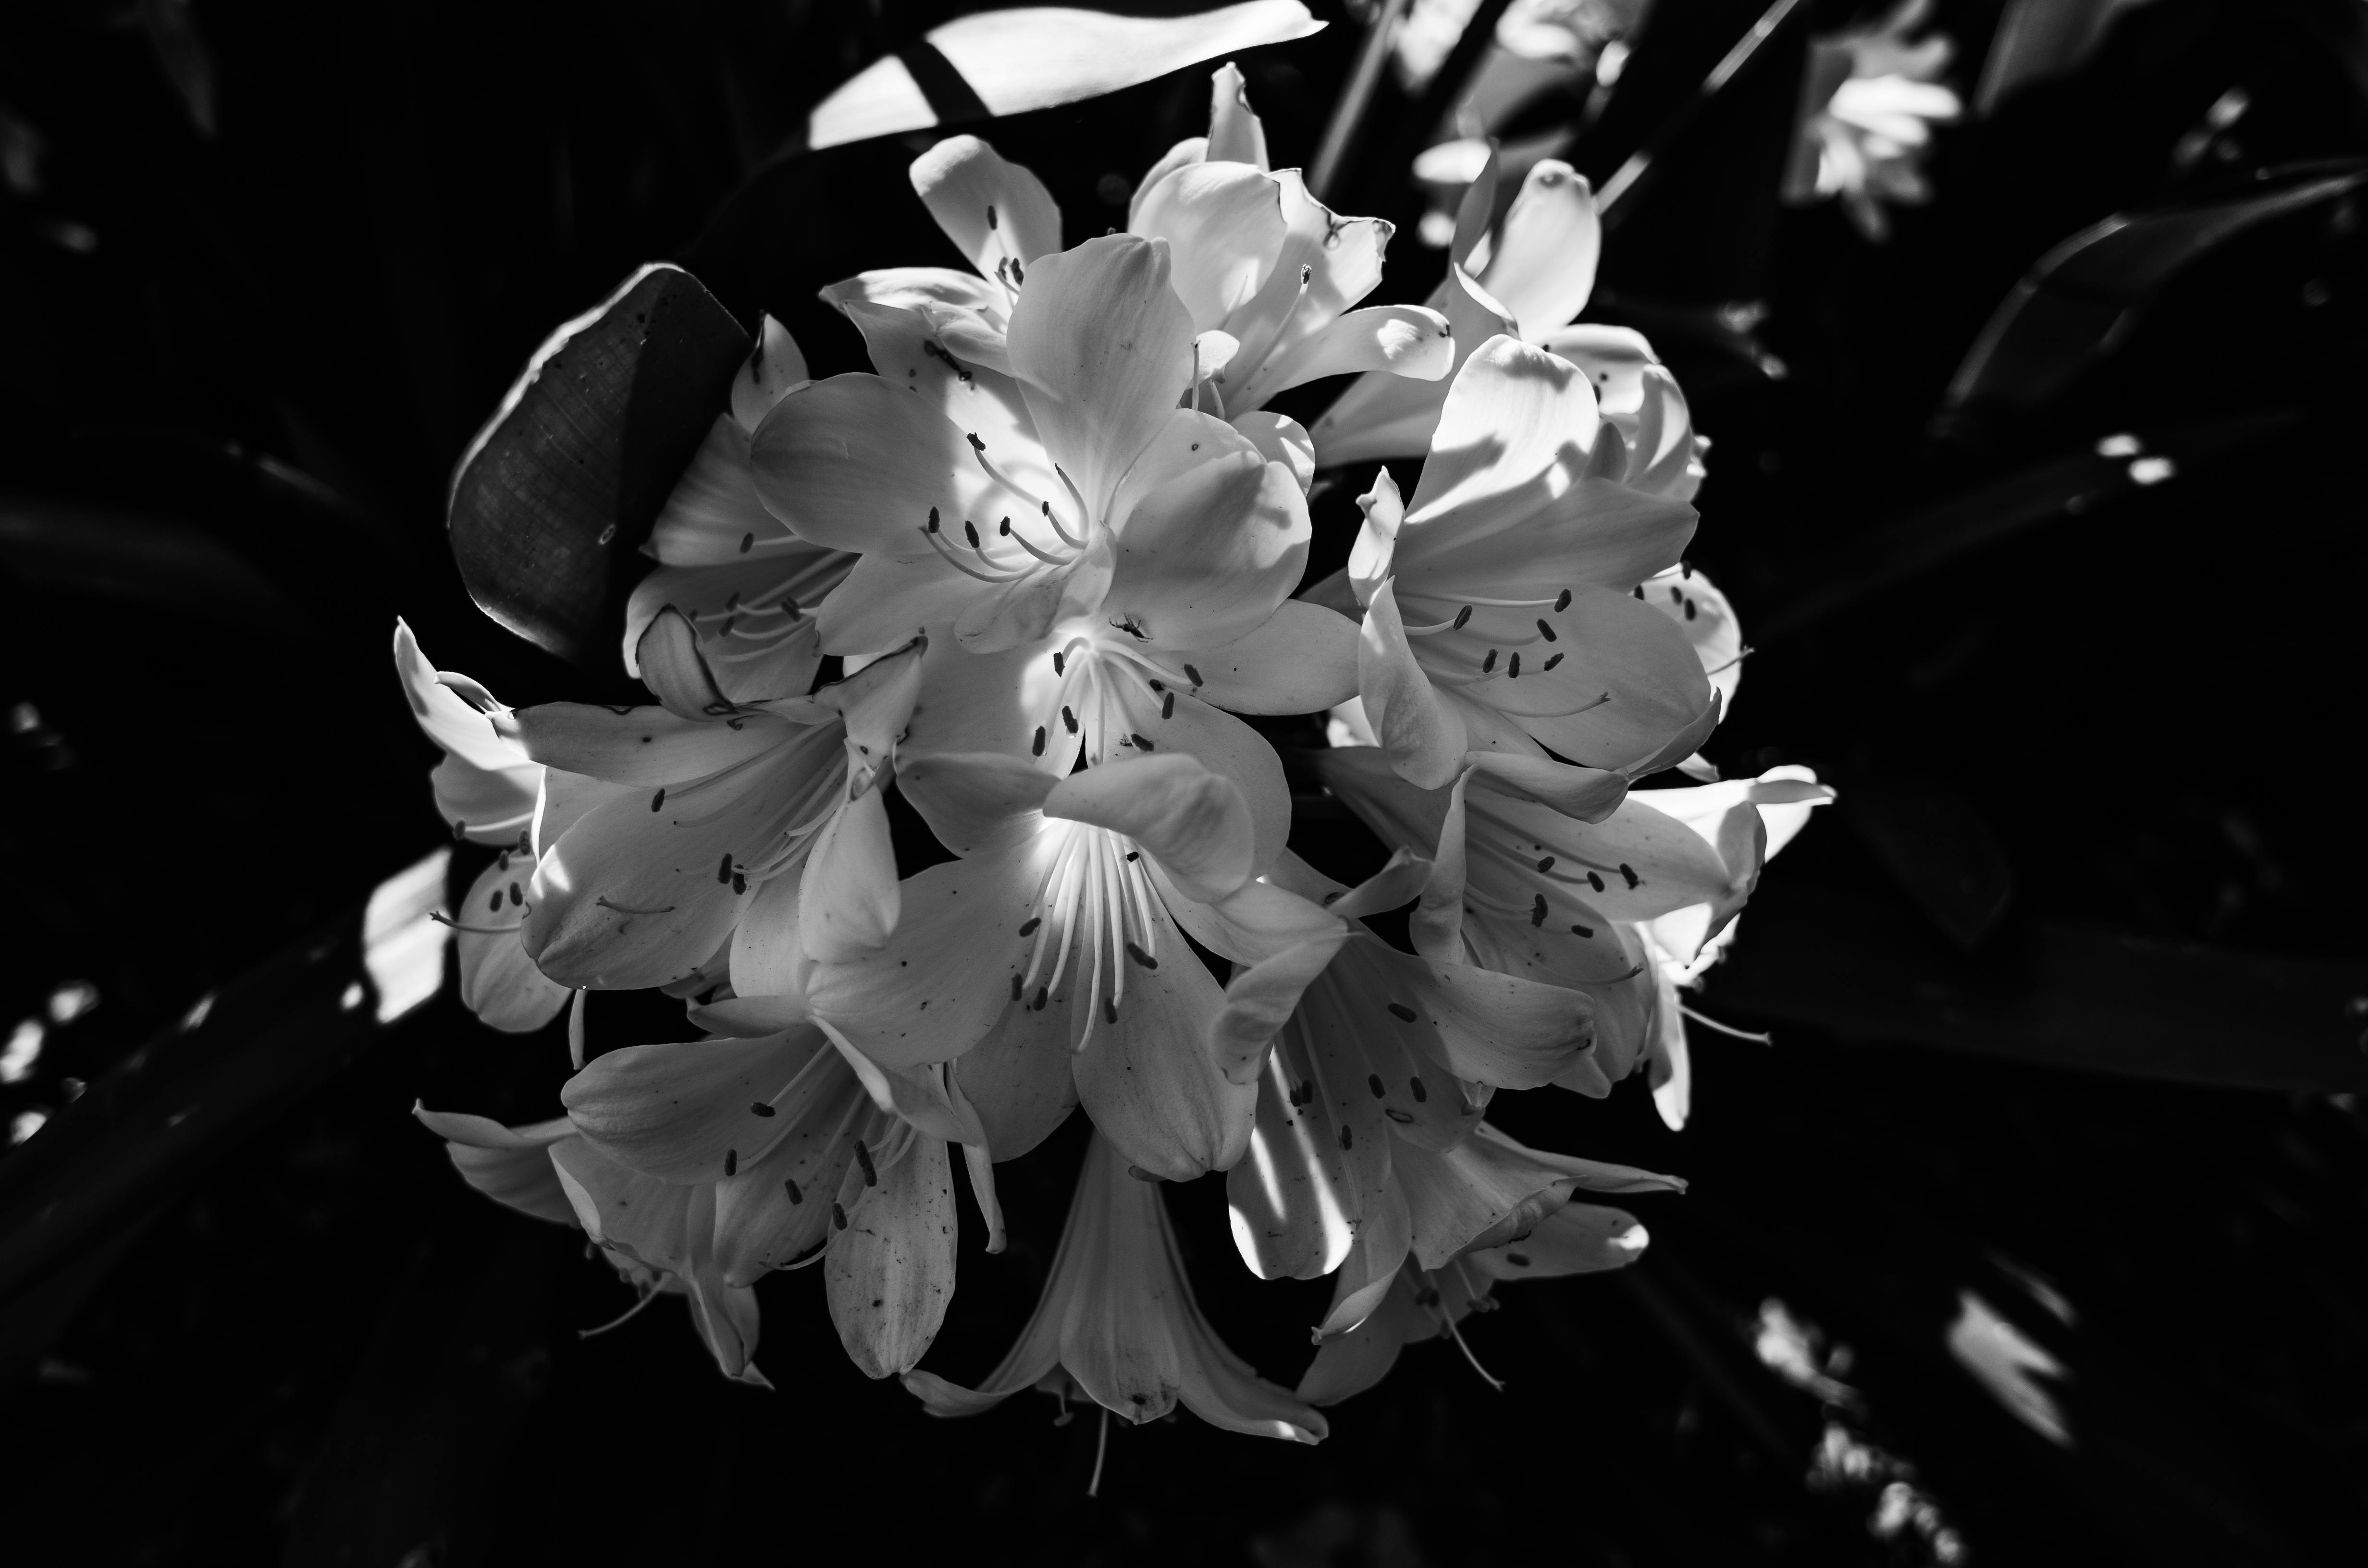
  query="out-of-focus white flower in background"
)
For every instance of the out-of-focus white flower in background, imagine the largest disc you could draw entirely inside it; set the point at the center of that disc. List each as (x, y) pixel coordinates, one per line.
(1869, 101)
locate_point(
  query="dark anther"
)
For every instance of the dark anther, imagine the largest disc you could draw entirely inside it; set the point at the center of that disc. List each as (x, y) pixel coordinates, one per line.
(1562, 601)
(863, 1158)
(990, 214)
(495, 906)
(1143, 744)
(1139, 956)
(1019, 273)
(790, 1184)
(1677, 595)
(1030, 928)
(1192, 675)
(1628, 871)
(1132, 855)
(1038, 750)
(1685, 569)
(657, 800)
(1004, 527)
(1015, 988)
(1546, 863)
(1110, 1009)
(1403, 1117)
(1373, 1082)
(1552, 660)
(1595, 881)
(1587, 931)
(517, 898)
(1544, 630)
(1538, 910)
(933, 519)
(1043, 995)
(970, 532)
(1490, 662)
(1168, 706)
(976, 444)
(1513, 668)
(1069, 719)
(1690, 609)
(760, 1109)
(739, 881)
(730, 1161)
(1518, 1259)
(1461, 617)
(1414, 1087)
(1402, 1013)
(1057, 666)
(724, 871)
(1347, 1139)
(839, 1216)
(1640, 590)
(1305, 272)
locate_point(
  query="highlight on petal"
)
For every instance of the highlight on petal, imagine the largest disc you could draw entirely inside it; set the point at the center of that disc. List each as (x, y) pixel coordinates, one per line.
(996, 212)
(1195, 823)
(1541, 264)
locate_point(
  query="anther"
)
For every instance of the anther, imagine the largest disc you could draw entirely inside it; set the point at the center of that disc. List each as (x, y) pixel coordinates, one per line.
(1546, 863)
(1348, 1137)
(1038, 750)
(759, 1108)
(1587, 931)
(1168, 706)
(1640, 590)
(657, 800)
(1595, 881)
(1414, 1087)
(863, 1158)
(724, 871)
(747, 543)
(933, 522)
(1056, 665)
(1628, 871)
(1373, 1082)
(1069, 719)
(1142, 743)
(1562, 601)
(1004, 527)
(1544, 630)
(1685, 569)
(1139, 956)
(730, 1161)
(1690, 609)
(990, 214)
(970, 532)
(1043, 995)
(790, 1184)
(739, 881)
(517, 898)
(1305, 272)
(1513, 668)
(1403, 1117)
(1552, 661)
(1538, 910)
(1462, 615)
(1677, 595)
(493, 905)
(976, 444)
(1015, 988)
(1030, 928)
(1110, 1009)
(1402, 1013)
(839, 1216)
(1490, 662)
(1192, 675)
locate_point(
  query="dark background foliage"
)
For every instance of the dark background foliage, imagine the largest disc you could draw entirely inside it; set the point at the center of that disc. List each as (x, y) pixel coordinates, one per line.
(2063, 988)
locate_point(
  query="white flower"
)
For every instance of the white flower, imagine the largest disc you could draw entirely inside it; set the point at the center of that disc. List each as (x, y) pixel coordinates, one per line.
(1869, 101)
(1117, 1324)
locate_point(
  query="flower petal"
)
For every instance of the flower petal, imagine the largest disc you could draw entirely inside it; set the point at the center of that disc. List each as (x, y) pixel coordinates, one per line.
(1301, 659)
(1578, 1238)
(1235, 133)
(1423, 736)
(1281, 439)
(1147, 1080)
(849, 899)
(1207, 557)
(1413, 341)
(1196, 824)
(995, 212)
(510, 1165)
(890, 1275)
(974, 802)
(647, 747)
(498, 983)
(1103, 351)
(685, 1113)
(1224, 222)
(1543, 264)
(857, 462)
(1017, 1079)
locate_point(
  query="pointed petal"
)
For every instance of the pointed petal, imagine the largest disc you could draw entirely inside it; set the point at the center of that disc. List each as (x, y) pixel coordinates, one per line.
(1235, 133)
(994, 211)
(1301, 659)
(1543, 264)
(1578, 1238)
(1413, 341)
(1259, 998)
(1224, 222)
(498, 982)
(848, 900)
(1147, 1080)
(1209, 556)
(647, 747)
(1423, 736)
(682, 1113)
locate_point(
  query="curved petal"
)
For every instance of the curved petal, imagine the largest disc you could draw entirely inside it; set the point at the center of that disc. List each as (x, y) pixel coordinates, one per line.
(848, 900)
(685, 1113)
(1543, 264)
(1235, 133)
(1225, 745)
(498, 982)
(1281, 439)
(1148, 1081)
(1017, 1080)
(713, 509)
(974, 802)
(1196, 824)
(645, 746)
(1224, 222)
(1578, 1238)
(1400, 340)
(857, 462)
(995, 212)
(890, 1275)
(1423, 736)
(1301, 659)
(1207, 557)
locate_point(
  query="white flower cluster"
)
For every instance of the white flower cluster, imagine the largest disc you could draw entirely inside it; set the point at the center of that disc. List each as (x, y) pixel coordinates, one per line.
(1054, 540)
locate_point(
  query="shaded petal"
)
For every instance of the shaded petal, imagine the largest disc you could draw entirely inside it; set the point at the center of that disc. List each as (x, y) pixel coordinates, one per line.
(975, 802)
(510, 1165)
(1196, 824)
(1512, 413)
(675, 1112)
(1497, 1029)
(849, 899)
(1148, 1081)
(1480, 1191)
(1423, 736)
(1017, 1080)
(1225, 745)
(1207, 557)
(1301, 659)
(1371, 1272)
(498, 983)
(890, 1275)
(1382, 415)
(1281, 439)
(1578, 1238)
(857, 462)
(713, 511)
(775, 365)
(645, 746)
(1261, 998)
(776, 1211)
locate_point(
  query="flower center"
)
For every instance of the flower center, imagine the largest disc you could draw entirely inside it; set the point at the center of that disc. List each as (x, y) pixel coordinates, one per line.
(1094, 904)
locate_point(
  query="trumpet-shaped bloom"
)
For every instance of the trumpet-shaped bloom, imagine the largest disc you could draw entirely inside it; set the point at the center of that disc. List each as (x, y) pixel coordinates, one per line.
(727, 616)
(1501, 611)
(1746, 821)
(1527, 279)
(1048, 958)
(1417, 1303)
(665, 1246)
(1092, 556)
(644, 887)
(1869, 100)
(1117, 1324)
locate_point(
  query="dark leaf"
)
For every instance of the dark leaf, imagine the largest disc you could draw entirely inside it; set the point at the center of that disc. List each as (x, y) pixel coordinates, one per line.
(2050, 994)
(553, 500)
(1936, 845)
(2081, 298)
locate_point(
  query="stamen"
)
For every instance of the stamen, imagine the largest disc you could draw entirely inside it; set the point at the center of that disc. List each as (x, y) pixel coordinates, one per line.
(1513, 668)
(628, 909)
(1552, 660)
(1726, 1028)
(723, 869)
(1038, 749)
(1562, 601)
(1401, 1012)
(1544, 630)
(1457, 1334)
(442, 919)
(657, 800)
(1538, 910)
(1168, 706)
(730, 1161)
(628, 1315)
(838, 1217)
(1373, 1082)
(1414, 1087)
(1490, 662)
(1547, 864)
(1139, 956)
(1101, 1449)
(759, 1108)
(863, 1158)
(1030, 928)
(790, 1184)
